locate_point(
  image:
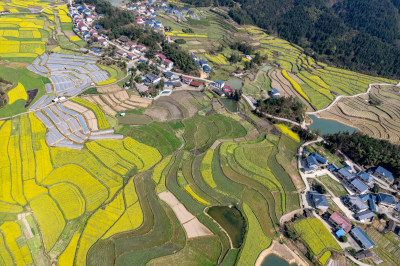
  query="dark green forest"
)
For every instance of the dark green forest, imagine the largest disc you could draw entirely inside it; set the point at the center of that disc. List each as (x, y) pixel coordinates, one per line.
(360, 35)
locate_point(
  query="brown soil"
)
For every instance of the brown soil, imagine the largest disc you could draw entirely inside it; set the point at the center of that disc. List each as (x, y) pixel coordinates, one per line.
(157, 113)
(16, 65)
(31, 95)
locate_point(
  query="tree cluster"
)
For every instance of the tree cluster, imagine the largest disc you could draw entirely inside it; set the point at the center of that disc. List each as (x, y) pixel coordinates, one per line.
(366, 151)
(285, 107)
(181, 58)
(360, 35)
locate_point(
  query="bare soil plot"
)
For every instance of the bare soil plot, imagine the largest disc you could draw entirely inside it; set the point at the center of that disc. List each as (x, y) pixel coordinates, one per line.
(109, 88)
(174, 110)
(190, 223)
(157, 113)
(185, 98)
(87, 114)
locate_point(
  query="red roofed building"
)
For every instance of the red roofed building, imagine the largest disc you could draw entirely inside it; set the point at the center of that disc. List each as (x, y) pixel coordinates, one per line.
(186, 80)
(167, 63)
(161, 56)
(340, 221)
(195, 84)
(228, 90)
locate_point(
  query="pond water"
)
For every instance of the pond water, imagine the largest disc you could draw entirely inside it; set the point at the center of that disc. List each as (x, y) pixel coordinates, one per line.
(329, 126)
(231, 220)
(235, 83)
(230, 104)
(273, 260)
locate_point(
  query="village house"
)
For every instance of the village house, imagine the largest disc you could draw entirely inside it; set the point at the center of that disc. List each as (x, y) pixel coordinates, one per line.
(121, 53)
(386, 200)
(383, 174)
(340, 222)
(359, 235)
(354, 203)
(320, 202)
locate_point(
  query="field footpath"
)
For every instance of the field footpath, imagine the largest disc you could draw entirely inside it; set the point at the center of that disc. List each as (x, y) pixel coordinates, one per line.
(350, 96)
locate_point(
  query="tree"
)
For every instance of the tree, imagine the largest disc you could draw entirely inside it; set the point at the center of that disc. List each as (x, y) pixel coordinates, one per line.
(343, 239)
(375, 189)
(138, 79)
(320, 188)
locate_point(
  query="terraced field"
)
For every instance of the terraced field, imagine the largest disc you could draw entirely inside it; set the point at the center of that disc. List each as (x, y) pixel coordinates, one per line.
(376, 114)
(80, 189)
(292, 73)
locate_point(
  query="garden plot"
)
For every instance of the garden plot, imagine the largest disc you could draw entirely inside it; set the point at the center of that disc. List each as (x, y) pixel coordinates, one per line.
(68, 129)
(193, 227)
(69, 74)
(117, 101)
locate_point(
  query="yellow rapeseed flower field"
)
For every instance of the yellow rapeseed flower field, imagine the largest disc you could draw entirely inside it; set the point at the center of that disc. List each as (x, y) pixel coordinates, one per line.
(111, 159)
(32, 190)
(17, 93)
(158, 175)
(12, 232)
(93, 191)
(118, 147)
(69, 199)
(206, 170)
(10, 208)
(98, 224)
(130, 193)
(67, 257)
(5, 171)
(295, 85)
(17, 190)
(75, 38)
(195, 196)
(287, 131)
(106, 82)
(50, 219)
(149, 155)
(130, 220)
(219, 59)
(4, 254)
(27, 154)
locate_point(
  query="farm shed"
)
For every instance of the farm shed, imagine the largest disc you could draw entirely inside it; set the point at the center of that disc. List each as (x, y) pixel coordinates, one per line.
(362, 238)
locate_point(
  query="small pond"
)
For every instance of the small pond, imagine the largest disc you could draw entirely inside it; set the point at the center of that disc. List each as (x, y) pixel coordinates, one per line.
(235, 83)
(232, 220)
(230, 104)
(274, 260)
(329, 126)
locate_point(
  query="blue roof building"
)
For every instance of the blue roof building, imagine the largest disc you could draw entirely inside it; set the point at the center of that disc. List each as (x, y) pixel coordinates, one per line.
(206, 68)
(365, 215)
(312, 162)
(384, 174)
(96, 50)
(362, 238)
(358, 186)
(385, 199)
(345, 173)
(339, 233)
(275, 93)
(319, 200)
(365, 177)
(397, 207)
(320, 158)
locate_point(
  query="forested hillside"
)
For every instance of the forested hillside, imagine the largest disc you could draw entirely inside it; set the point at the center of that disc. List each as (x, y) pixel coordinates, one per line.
(360, 35)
